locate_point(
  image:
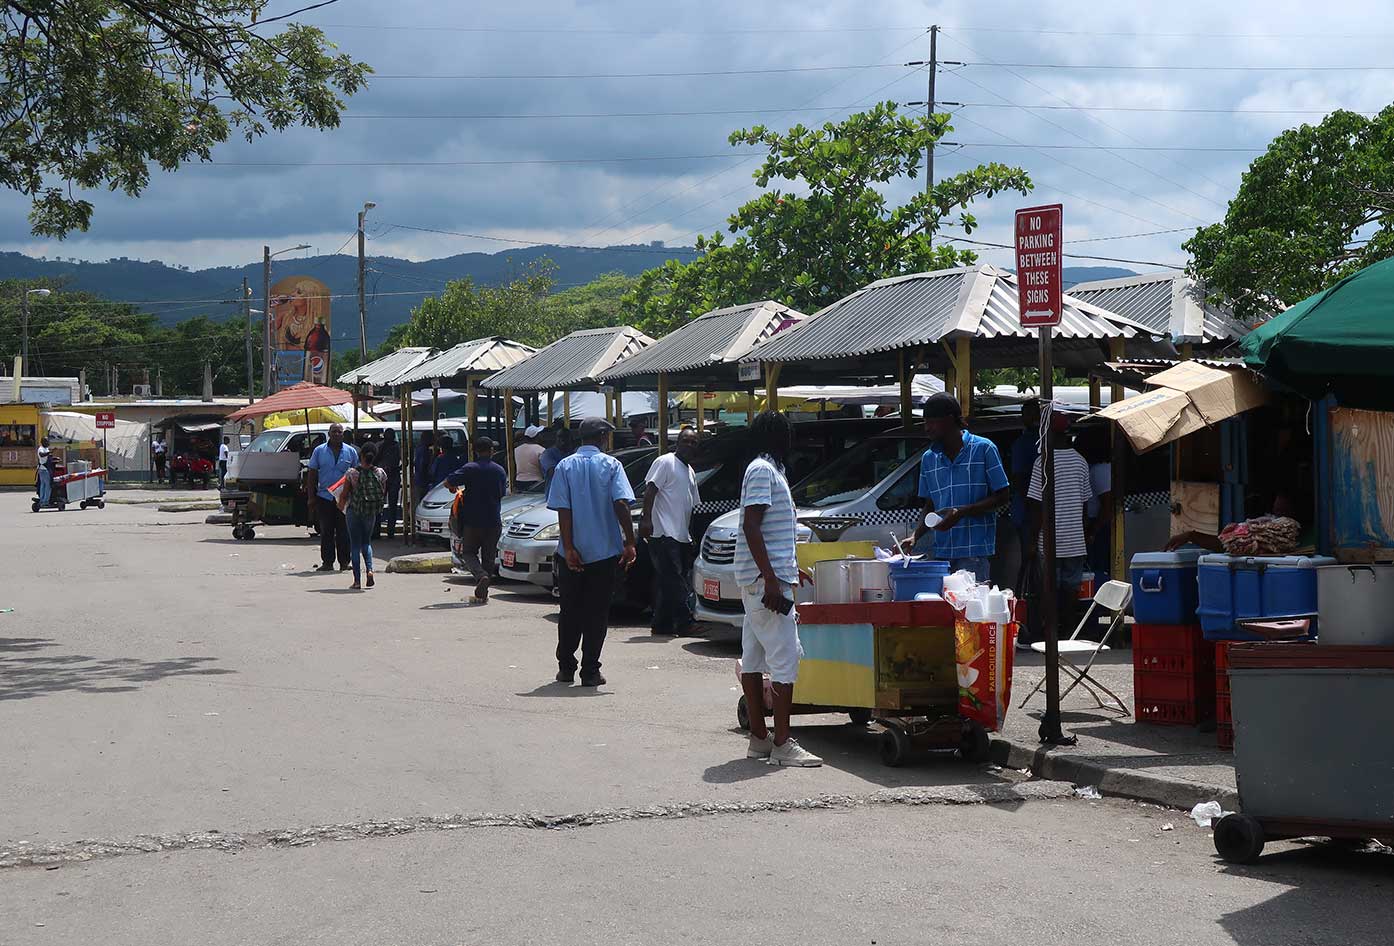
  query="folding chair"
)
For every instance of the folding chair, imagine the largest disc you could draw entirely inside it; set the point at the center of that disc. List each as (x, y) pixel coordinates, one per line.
(1114, 597)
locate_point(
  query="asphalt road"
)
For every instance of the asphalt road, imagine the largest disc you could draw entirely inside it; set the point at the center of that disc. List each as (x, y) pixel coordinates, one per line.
(206, 742)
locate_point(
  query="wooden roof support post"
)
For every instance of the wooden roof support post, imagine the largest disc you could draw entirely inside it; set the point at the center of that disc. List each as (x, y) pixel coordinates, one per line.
(772, 385)
(409, 507)
(508, 437)
(471, 401)
(662, 412)
(551, 396)
(701, 413)
(750, 404)
(1117, 486)
(566, 407)
(907, 405)
(1188, 351)
(963, 374)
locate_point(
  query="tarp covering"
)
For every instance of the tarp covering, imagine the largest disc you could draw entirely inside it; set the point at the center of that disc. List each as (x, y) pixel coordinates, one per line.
(127, 446)
(1335, 342)
(337, 414)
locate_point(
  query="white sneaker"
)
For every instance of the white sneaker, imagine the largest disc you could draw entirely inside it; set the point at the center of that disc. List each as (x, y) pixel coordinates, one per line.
(791, 753)
(760, 748)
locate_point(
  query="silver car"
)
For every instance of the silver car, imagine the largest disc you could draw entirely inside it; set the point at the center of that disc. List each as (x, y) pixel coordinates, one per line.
(433, 512)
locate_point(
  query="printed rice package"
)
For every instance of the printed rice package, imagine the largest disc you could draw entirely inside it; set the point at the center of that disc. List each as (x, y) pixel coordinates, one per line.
(984, 652)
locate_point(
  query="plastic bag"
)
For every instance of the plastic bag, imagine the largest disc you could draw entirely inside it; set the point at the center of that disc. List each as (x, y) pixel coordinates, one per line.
(983, 652)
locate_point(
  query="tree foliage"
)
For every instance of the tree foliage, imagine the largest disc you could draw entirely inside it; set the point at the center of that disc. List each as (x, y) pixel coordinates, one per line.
(97, 91)
(1314, 208)
(834, 230)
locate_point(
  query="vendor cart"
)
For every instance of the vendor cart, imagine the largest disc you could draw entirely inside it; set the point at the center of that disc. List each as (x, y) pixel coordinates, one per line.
(264, 488)
(1310, 756)
(83, 485)
(894, 663)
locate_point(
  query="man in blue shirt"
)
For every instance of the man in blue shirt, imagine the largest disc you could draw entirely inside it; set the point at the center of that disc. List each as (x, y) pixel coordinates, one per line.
(591, 495)
(448, 462)
(327, 465)
(480, 486)
(963, 483)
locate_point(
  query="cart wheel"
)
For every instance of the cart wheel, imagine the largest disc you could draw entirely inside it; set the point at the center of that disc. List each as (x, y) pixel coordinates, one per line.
(82, 505)
(101, 504)
(859, 715)
(34, 506)
(974, 745)
(249, 533)
(62, 507)
(237, 532)
(743, 714)
(895, 747)
(1239, 838)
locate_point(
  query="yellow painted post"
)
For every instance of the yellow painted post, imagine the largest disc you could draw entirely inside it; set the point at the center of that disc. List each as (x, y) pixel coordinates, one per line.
(619, 409)
(508, 436)
(772, 385)
(1117, 486)
(1188, 351)
(963, 375)
(701, 411)
(907, 406)
(470, 401)
(662, 413)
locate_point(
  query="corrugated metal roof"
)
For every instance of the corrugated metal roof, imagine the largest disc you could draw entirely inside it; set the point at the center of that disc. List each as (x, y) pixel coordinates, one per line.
(386, 369)
(479, 356)
(1170, 304)
(922, 309)
(717, 337)
(579, 358)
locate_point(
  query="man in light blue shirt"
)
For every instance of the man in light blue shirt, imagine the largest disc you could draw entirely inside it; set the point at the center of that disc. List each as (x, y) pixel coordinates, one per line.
(327, 465)
(963, 483)
(591, 494)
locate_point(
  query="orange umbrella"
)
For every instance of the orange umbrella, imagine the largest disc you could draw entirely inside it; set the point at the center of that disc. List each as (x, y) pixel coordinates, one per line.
(297, 397)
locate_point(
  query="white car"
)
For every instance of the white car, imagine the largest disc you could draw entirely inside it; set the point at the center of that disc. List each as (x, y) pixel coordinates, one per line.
(433, 512)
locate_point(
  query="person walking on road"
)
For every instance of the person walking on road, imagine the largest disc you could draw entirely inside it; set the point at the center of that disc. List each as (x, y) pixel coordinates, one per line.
(390, 461)
(365, 487)
(527, 458)
(481, 485)
(224, 455)
(670, 493)
(327, 465)
(767, 572)
(963, 483)
(591, 495)
(157, 450)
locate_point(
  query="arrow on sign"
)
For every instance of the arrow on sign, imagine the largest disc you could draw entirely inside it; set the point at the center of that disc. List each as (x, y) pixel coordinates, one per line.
(1040, 314)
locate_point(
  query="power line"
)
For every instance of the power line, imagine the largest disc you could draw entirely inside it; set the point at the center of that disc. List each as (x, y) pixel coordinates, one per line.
(1156, 108)
(556, 115)
(523, 242)
(619, 31)
(1134, 67)
(693, 74)
(1109, 148)
(452, 164)
(1110, 259)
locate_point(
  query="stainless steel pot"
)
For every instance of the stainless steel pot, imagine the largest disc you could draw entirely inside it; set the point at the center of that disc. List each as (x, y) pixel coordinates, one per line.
(832, 582)
(1355, 605)
(866, 573)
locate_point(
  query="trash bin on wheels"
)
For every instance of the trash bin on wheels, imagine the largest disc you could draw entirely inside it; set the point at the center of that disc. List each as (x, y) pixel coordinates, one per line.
(916, 668)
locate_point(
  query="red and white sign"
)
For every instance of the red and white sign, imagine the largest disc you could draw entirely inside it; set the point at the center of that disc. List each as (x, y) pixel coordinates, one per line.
(711, 589)
(106, 420)
(510, 558)
(1038, 266)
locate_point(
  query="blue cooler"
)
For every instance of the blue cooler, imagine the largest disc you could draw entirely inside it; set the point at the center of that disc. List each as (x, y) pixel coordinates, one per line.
(1235, 588)
(1164, 587)
(917, 578)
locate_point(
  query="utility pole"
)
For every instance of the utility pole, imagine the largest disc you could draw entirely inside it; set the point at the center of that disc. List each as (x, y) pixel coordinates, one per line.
(362, 304)
(929, 108)
(247, 333)
(266, 356)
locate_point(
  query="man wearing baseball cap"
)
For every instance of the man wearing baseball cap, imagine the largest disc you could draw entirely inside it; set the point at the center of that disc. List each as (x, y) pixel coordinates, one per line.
(963, 485)
(527, 457)
(591, 495)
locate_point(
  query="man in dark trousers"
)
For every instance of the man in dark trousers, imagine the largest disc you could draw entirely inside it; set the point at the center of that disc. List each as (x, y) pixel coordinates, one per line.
(481, 485)
(327, 465)
(670, 493)
(591, 495)
(390, 460)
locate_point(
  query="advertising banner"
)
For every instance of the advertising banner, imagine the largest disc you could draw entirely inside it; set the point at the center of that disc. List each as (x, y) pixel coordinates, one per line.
(300, 326)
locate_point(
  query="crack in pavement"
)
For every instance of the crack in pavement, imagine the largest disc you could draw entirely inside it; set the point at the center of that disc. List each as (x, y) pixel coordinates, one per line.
(23, 854)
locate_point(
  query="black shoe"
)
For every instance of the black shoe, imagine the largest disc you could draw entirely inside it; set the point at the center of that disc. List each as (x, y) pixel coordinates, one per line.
(566, 676)
(593, 680)
(481, 588)
(326, 568)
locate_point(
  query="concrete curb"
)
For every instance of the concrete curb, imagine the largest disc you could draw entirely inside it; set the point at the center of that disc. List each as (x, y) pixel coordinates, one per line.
(421, 563)
(1058, 764)
(188, 507)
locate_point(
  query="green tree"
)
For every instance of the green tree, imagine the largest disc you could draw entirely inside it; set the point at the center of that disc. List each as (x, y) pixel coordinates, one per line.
(465, 311)
(836, 231)
(1314, 208)
(97, 91)
(596, 304)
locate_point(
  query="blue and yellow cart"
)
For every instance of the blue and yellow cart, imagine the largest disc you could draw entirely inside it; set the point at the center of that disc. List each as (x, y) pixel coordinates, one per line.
(892, 662)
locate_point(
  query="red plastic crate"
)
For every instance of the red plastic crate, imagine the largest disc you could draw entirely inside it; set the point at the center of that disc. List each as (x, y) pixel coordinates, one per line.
(1174, 687)
(1172, 648)
(1222, 666)
(1222, 709)
(1167, 713)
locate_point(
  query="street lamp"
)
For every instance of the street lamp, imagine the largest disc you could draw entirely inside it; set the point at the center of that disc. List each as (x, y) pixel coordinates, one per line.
(266, 256)
(362, 305)
(24, 327)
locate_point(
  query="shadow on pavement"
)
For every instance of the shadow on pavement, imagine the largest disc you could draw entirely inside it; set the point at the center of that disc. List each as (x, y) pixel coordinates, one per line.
(25, 677)
(564, 690)
(738, 770)
(452, 605)
(336, 591)
(1318, 878)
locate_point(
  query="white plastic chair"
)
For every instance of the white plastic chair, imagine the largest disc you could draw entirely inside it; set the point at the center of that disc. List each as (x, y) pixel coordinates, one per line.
(1114, 597)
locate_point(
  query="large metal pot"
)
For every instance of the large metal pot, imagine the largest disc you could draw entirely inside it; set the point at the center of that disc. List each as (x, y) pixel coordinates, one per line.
(832, 582)
(1355, 604)
(866, 573)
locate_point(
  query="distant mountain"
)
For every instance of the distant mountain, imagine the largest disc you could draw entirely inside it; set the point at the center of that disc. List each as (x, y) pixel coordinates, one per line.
(394, 286)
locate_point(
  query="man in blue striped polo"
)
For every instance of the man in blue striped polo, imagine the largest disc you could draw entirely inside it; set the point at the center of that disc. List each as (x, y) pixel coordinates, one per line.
(963, 483)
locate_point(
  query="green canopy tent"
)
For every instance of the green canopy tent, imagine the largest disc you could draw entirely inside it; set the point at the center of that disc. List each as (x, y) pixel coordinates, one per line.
(1339, 341)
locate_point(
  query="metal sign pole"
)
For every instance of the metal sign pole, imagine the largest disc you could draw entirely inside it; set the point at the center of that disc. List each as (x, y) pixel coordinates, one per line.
(1050, 724)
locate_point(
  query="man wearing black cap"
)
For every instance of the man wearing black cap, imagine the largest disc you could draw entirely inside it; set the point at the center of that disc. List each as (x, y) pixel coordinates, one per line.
(479, 486)
(591, 495)
(963, 485)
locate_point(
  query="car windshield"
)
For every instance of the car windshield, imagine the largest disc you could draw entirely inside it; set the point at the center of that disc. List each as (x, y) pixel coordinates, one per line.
(267, 442)
(856, 471)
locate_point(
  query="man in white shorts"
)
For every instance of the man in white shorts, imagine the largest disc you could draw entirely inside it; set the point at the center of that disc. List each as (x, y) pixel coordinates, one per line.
(767, 571)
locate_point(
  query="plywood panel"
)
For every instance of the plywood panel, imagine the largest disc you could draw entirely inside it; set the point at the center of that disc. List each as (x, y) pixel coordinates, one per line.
(1195, 507)
(1362, 479)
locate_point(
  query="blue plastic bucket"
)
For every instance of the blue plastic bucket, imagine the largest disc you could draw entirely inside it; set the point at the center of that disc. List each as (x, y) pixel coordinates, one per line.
(917, 578)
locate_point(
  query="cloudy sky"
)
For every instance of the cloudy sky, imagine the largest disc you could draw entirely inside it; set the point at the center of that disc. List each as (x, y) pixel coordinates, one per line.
(1155, 149)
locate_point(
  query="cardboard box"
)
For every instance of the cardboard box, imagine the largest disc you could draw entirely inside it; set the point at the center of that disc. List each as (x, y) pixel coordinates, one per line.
(1184, 399)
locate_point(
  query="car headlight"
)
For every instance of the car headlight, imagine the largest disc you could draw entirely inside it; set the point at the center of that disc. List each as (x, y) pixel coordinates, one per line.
(548, 532)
